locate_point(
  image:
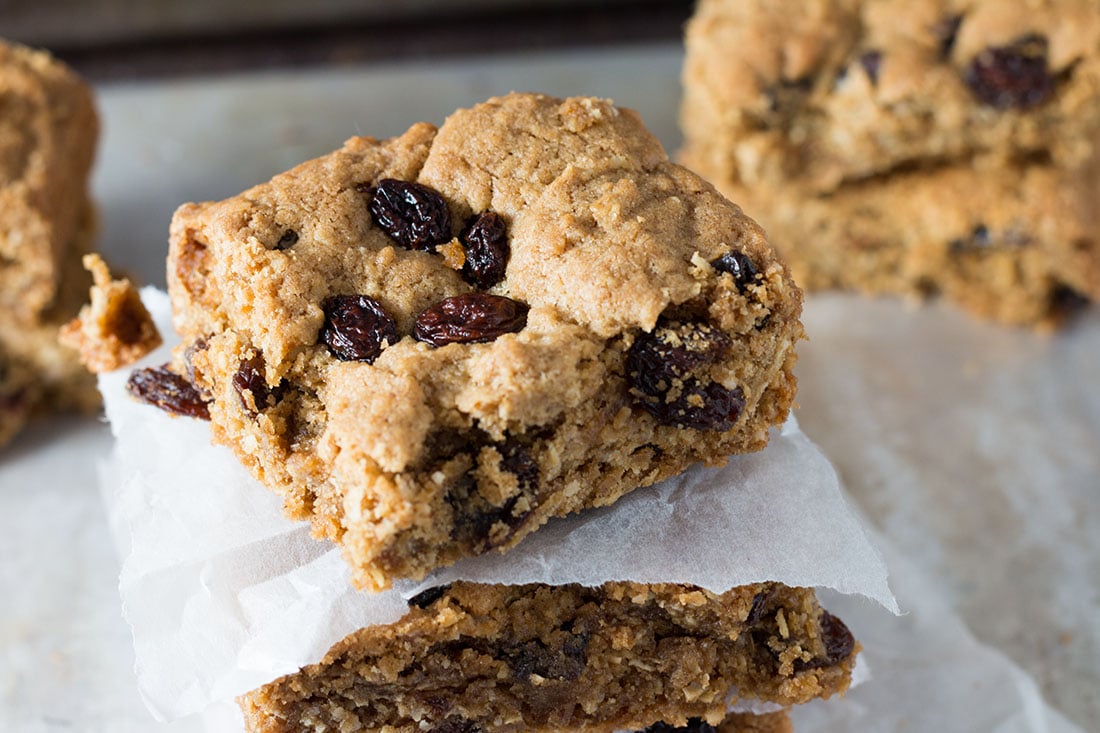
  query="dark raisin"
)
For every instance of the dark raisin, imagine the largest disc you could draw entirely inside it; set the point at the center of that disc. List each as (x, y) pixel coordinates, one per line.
(456, 725)
(838, 642)
(470, 318)
(357, 327)
(978, 239)
(785, 97)
(759, 606)
(694, 725)
(1012, 76)
(474, 520)
(425, 598)
(536, 658)
(701, 406)
(664, 369)
(674, 349)
(169, 391)
(871, 61)
(250, 380)
(672, 352)
(516, 460)
(1065, 301)
(413, 214)
(439, 705)
(946, 31)
(739, 265)
(288, 240)
(485, 241)
(980, 236)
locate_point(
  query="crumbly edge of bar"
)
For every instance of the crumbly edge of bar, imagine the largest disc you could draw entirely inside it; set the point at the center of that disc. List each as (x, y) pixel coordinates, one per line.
(620, 657)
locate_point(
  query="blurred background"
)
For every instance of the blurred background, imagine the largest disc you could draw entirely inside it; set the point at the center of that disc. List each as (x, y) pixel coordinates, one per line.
(124, 39)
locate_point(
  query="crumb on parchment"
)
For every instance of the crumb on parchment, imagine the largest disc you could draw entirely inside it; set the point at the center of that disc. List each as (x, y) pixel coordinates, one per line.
(114, 329)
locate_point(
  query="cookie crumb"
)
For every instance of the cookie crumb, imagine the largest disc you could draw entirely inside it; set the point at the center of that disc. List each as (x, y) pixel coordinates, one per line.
(115, 329)
(453, 254)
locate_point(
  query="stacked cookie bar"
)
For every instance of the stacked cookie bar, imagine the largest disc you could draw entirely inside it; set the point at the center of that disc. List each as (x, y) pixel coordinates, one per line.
(48, 134)
(431, 345)
(473, 657)
(935, 147)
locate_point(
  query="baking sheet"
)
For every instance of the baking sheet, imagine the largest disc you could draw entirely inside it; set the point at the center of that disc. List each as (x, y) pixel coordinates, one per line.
(972, 449)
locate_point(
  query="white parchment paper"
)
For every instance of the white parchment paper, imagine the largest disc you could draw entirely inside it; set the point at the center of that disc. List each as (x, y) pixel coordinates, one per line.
(223, 594)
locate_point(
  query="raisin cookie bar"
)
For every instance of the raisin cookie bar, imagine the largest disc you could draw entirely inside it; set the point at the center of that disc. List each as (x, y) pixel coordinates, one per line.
(430, 345)
(48, 131)
(933, 147)
(623, 656)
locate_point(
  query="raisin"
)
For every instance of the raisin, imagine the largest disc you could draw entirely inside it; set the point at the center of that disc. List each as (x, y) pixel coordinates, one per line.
(438, 705)
(357, 327)
(425, 598)
(739, 265)
(980, 236)
(536, 658)
(288, 240)
(516, 460)
(675, 349)
(871, 61)
(838, 642)
(694, 725)
(415, 216)
(946, 31)
(250, 378)
(1065, 301)
(485, 241)
(456, 725)
(662, 372)
(759, 606)
(702, 407)
(169, 391)
(470, 318)
(787, 96)
(1012, 76)
(979, 239)
(473, 524)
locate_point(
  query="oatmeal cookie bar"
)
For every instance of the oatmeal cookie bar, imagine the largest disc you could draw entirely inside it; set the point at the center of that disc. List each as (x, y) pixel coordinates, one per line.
(48, 132)
(920, 148)
(48, 129)
(624, 656)
(430, 345)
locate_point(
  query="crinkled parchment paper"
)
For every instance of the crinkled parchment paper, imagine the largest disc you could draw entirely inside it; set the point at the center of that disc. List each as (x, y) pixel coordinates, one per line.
(224, 594)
